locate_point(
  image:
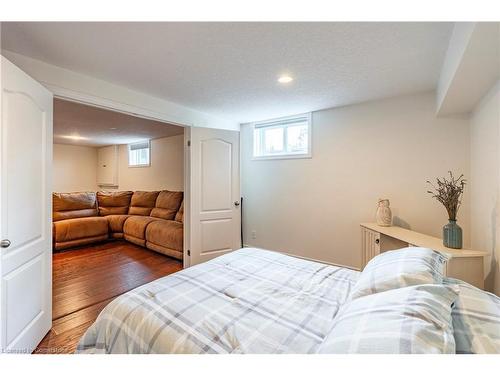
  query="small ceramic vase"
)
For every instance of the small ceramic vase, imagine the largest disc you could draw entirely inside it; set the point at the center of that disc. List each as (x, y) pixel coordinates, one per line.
(384, 214)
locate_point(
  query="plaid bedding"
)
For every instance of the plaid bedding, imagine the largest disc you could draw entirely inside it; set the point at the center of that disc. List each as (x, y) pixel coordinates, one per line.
(248, 301)
(399, 268)
(476, 319)
(410, 320)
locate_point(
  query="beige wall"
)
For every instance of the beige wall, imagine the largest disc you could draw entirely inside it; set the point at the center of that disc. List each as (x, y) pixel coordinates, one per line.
(74, 168)
(485, 169)
(388, 148)
(166, 170)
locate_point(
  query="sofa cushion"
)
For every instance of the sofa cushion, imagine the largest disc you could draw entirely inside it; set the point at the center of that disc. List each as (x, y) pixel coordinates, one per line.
(142, 202)
(167, 204)
(74, 229)
(135, 226)
(165, 250)
(116, 222)
(179, 216)
(80, 242)
(113, 202)
(166, 233)
(73, 205)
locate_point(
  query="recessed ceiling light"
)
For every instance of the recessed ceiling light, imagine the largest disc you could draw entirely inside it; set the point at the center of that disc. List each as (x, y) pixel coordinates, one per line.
(74, 137)
(112, 128)
(285, 79)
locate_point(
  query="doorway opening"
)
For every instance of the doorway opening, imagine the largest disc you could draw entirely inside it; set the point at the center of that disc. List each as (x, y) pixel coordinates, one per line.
(118, 211)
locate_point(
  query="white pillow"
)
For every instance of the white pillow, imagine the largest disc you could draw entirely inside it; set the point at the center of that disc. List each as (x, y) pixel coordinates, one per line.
(411, 320)
(476, 319)
(400, 268)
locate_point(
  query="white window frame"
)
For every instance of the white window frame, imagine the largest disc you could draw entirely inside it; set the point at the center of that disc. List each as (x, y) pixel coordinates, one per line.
(149, 156)
(278, 122)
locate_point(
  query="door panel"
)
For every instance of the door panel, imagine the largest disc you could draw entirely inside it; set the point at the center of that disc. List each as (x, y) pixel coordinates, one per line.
(215, 217)
(25, 210)
(216, 175)
(28, 218)
(26, 306)
(214, 235)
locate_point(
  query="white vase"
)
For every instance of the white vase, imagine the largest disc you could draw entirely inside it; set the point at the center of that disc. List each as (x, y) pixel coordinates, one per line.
(384, 214)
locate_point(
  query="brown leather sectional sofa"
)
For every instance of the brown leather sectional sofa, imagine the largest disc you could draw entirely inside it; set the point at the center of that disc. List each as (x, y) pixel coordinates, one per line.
(153, 219)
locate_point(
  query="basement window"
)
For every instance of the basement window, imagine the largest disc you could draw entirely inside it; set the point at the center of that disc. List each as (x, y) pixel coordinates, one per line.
(284, 138)
(139, 154)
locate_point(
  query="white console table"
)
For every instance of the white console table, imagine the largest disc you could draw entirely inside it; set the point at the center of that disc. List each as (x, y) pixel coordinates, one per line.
(464, 264)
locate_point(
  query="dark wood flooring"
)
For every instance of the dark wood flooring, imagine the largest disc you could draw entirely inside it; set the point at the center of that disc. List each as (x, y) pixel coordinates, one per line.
(86, 279)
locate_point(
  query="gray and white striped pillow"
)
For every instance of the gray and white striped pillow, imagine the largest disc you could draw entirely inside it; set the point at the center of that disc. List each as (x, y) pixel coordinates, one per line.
(411, 320)
(476, 319)
(400, 268)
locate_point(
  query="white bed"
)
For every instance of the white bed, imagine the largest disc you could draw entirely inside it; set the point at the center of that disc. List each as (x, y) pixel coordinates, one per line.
(248, 301)
(259, 301)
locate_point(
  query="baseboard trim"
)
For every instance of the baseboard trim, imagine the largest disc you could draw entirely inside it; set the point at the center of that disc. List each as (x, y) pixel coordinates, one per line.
(311, 259)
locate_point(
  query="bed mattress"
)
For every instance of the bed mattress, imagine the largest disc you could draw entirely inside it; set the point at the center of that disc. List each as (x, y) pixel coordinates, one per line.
(248, 301)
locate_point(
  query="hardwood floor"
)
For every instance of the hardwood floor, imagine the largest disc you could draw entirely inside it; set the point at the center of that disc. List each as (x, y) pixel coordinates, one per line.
(86, 279)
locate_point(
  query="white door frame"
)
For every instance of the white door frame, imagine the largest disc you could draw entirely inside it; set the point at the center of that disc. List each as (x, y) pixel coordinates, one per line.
(186, 259)
(110, 104)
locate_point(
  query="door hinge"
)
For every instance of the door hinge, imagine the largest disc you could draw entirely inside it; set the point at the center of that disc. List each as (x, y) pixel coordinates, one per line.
(189, 253)
(189, 143)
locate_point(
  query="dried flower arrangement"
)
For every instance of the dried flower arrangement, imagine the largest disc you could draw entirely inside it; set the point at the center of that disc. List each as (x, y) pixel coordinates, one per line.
(449, 193)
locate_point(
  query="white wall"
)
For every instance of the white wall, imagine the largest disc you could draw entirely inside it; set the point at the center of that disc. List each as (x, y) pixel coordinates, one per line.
(388, 148)
(74, 168)
(485, 183)
(166, 170)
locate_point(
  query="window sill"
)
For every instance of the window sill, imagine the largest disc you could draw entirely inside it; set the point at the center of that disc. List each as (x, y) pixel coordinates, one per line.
(282, 157)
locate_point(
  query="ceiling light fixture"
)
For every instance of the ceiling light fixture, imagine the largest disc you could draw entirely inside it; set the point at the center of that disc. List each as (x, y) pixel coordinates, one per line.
(74, 137)
(285, 79)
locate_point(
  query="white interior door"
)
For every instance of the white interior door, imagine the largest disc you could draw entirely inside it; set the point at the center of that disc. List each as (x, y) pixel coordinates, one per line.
(25, 210)
(214, 193)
